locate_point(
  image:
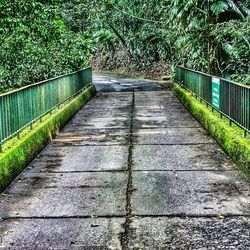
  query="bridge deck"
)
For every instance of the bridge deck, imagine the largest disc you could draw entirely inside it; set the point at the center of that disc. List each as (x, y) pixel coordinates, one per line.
(132, 170)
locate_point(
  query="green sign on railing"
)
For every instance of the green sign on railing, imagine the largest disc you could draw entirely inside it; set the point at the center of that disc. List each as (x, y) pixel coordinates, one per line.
(216, 92)
(229, 98)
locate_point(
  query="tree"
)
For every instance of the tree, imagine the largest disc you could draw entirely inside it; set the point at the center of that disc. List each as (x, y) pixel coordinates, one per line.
(35, 44)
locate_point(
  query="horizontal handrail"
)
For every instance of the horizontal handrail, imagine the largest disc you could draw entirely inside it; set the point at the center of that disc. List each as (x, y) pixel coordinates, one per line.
(22, 107)
(205, 74)
(44, 81)
(227, 97)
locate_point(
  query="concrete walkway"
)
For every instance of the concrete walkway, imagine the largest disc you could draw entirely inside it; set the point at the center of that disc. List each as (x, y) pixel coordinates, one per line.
(132, 170)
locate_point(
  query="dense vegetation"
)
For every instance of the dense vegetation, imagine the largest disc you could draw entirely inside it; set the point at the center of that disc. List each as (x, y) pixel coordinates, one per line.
(212, 36)
(35, 44)
(42, 38)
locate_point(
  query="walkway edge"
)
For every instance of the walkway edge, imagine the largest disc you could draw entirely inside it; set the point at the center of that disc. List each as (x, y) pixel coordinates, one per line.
(232, 142)
(14, 160)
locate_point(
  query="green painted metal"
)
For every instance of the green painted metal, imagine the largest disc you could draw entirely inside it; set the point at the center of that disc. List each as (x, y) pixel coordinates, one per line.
(229, 98)
(216, 92)
(21, 108)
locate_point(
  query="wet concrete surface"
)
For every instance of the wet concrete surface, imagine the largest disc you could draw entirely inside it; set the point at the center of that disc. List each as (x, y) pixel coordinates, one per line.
(180, 158)
(190, 233)
(86, 159)
(132, 170)
(190, 193)
(107, 83)
(66, 195)
(80, 136)
(172, 136)
(64, 233)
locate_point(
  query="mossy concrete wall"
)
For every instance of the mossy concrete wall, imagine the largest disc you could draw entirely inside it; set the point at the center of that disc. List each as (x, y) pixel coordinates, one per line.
(15, 159)
(229, 138)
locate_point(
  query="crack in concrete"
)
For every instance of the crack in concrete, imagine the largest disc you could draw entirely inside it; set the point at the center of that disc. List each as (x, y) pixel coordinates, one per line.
(94, 145)
(184, 170)
(60, 217)
(186, 216)
(125, 234)
(82, 171)
(175, 144)
(134, 216)
(128, 218)
(139, 144)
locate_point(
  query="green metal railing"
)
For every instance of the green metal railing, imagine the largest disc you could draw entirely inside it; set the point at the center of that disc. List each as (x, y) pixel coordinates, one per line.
(21, 108)
(229, 98)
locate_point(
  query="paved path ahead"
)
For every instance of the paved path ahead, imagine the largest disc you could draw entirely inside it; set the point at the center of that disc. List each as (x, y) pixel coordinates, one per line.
(132, 170)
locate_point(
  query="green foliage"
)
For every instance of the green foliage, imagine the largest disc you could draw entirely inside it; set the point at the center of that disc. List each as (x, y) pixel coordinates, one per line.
(212, 36)
(219, 7)
(17, 157)
(35, 44)
(214, 32)
(229, 137)
(40, 39)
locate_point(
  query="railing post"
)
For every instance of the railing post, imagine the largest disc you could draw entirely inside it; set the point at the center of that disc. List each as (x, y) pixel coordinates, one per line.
(29, 104)
(245, 133)
(230, 99)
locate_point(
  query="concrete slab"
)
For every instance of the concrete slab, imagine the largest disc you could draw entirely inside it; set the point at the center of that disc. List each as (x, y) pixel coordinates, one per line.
(112, 97)
(80, 135)
(110, 101)
(96, 233)
(105, 112)
(190, 193)
(190, 233)
(156, 97)
(110, 111)
(180, 120)
(172, 136)
(107, 83)
(153, 95)
(81, 158)
(159, 110)
(101, 123)
(157, 104)
(181, 157)
(83, 175)
(109, 104)
(64, 195)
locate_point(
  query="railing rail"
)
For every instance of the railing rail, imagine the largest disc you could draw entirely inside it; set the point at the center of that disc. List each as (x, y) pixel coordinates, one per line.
(22, 107)
(229, 98)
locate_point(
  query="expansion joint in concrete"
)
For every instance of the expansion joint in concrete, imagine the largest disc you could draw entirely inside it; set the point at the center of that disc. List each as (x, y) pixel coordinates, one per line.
(186, 216)
(125, 234)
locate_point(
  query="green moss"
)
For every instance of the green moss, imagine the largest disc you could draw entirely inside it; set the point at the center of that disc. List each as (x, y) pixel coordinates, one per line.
(15, 159)
(228, 137)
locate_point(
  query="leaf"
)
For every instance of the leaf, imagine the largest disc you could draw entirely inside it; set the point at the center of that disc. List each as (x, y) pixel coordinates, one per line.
(181, 42)
(230, 50)
(219, 7)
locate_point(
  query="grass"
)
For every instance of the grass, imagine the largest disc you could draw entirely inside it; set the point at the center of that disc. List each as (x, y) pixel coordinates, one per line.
(18, 153)
(230, 138)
